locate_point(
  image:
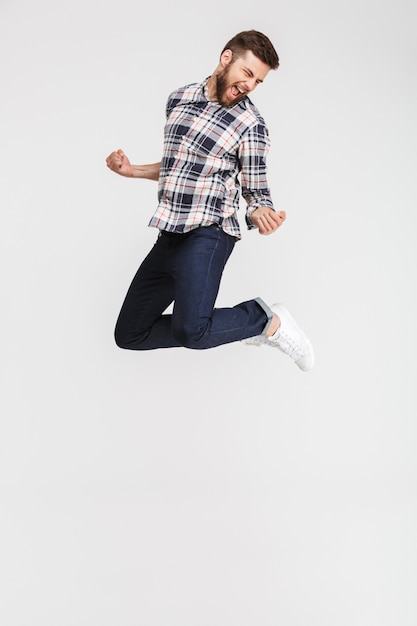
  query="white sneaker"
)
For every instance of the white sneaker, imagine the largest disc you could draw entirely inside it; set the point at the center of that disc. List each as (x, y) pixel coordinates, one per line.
(289, 338)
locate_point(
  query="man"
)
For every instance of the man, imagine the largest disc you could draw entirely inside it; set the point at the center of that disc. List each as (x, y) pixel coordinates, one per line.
(213, 136)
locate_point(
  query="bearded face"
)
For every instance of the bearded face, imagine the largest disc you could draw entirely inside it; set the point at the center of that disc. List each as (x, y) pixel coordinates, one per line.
(227, 91)
(236, 76)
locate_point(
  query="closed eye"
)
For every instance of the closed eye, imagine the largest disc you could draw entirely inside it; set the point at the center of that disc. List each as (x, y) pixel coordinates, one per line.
(249, 74)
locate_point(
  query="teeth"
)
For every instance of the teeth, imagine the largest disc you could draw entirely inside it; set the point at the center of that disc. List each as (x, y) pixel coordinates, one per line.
(237, 90)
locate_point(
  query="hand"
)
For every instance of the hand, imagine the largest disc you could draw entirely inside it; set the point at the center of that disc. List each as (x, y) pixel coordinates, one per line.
(267, 220)
(118, 162)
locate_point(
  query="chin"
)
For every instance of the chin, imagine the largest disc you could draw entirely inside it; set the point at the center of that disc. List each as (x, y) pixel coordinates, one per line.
(230, 103)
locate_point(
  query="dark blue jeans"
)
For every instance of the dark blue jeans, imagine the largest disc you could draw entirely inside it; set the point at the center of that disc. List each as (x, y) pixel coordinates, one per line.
(186, 269)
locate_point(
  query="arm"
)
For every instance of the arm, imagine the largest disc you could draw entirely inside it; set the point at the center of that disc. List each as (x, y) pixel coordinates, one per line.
(118, 162)
(260, 210)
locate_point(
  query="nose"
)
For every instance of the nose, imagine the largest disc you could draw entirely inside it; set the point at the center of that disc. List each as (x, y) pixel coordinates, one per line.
(250, 84)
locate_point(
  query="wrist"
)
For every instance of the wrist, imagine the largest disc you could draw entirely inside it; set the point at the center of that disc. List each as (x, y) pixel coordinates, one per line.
(252, 217)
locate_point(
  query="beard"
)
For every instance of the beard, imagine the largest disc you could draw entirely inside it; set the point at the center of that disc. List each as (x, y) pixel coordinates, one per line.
(222, 86)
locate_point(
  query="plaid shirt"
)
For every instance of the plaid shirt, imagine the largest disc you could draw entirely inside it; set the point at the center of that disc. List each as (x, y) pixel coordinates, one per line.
(206, 147)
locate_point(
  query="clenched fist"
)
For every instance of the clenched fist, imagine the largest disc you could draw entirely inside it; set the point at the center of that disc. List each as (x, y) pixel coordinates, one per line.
(118, 162)
(267, 220)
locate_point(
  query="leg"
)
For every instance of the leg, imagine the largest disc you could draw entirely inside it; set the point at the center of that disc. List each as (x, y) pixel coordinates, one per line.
(198, 266)
(141, 325)
(186, 268)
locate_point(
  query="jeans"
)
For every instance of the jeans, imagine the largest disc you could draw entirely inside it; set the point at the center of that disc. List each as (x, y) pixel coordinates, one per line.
(186, 269)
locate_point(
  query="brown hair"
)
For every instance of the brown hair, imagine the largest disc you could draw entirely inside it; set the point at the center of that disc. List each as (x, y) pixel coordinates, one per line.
(256, 42)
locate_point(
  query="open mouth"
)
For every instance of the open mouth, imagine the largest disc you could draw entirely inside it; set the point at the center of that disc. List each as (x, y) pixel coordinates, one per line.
(236, 91)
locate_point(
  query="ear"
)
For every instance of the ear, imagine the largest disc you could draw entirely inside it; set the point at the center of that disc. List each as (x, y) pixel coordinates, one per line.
(226, 57)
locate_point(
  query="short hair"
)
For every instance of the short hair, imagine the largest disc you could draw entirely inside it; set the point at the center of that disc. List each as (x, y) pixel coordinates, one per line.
(258, 43)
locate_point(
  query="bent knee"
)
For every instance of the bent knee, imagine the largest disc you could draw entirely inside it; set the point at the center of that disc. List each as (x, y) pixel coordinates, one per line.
(121, 339)
(126, 340)
(190, 337)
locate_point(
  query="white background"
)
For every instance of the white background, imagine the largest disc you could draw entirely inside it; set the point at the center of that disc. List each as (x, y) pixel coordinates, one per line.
(224, 487)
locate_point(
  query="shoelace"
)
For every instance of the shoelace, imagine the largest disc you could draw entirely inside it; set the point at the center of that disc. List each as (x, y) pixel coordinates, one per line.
(288, 345)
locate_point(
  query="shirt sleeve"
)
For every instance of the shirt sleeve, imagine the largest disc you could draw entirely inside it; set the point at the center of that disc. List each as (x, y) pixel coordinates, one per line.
(252, 156)
(169, 105)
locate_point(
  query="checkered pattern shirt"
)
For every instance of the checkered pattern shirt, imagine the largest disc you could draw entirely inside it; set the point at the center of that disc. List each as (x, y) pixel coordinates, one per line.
(206, 147)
